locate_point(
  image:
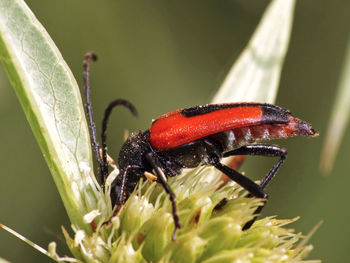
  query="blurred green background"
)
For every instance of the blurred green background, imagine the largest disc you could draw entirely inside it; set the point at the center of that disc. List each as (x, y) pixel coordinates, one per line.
(164, 55)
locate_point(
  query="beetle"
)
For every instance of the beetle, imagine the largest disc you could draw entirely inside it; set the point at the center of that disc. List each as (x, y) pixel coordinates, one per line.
(199, 135)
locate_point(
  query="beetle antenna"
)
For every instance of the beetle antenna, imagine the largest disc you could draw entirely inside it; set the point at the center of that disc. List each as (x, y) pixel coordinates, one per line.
(88, 107)
(108, 112)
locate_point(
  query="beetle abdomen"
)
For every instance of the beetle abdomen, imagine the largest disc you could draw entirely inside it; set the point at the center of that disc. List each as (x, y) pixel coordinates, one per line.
(246, 135)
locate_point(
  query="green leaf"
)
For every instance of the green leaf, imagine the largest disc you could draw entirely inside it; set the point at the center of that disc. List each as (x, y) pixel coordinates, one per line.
(256, 73)
(51, 100)
(4, 260)
(339, 118)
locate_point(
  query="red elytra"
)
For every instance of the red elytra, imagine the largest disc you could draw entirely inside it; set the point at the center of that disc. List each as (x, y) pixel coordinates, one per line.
(175, 128)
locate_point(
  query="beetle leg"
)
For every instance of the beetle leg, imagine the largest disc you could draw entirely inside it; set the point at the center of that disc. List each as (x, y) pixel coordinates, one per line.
(253, 188)
(153, 161)
(261, 150)
(214, 159)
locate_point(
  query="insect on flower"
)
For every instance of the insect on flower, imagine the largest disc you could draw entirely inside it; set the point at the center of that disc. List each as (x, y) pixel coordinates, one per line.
(199, 135)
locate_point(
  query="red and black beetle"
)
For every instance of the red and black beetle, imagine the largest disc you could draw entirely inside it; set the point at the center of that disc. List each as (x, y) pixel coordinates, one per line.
(200, 135)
